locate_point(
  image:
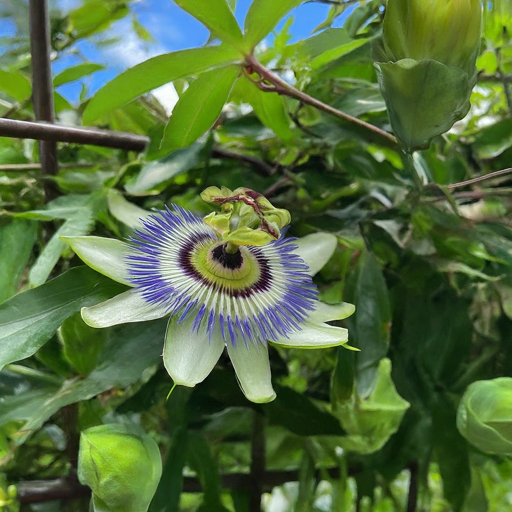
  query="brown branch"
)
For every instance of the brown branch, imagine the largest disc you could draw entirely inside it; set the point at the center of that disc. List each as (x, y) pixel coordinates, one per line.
(495, 78)
(37, 491)
(260, 166)
(58, 133)
(258, 462)
(412, 498)
(18, 106)
(37, 166)
(42, 87)
(279, 86)
(478, 179)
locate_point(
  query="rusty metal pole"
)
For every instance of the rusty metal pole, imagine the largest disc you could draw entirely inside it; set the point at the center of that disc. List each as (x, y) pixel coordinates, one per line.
(42, 87)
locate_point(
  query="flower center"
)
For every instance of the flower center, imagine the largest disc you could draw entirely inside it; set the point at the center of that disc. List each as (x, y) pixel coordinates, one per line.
(226, 271)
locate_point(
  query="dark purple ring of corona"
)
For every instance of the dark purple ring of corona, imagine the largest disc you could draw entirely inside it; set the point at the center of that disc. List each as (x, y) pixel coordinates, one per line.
(275, 305)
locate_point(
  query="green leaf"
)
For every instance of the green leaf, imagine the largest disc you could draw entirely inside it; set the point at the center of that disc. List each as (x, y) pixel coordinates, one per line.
(124, 211)
(371, 421)
(78, 224)
(16, 241)
(262, 18)
(451, 452)
(493, 140)
(199, 107)
(202, 462)
(15, 84)
(371, 322)
(300, 415)
(153, 73)
(94, 16)
(30, 318)
(64, 207)
(76, 72)
(361, 101)
(329, 45)
(82, 344)
(122, 362)
(424, 99)
(154, 175)
(268, 106)
(167, 497)
(218, 17)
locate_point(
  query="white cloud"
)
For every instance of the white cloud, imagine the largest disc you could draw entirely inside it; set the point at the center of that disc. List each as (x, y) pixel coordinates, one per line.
(167, 96)
(129, 50)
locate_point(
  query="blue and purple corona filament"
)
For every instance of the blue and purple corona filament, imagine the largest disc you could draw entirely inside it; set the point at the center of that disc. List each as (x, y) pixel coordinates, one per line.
(252, 294)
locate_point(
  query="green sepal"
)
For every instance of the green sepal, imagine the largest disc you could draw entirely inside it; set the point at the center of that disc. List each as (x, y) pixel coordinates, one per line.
(424, 99)
(371, 421)
(248, 236)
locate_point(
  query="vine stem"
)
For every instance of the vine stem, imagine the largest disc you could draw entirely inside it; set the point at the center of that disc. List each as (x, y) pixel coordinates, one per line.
(283, 88)
(478, 179)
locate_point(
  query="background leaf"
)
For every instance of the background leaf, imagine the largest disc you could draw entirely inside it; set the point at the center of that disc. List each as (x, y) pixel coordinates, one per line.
(152, 74)
(198, 108)
(30, 318)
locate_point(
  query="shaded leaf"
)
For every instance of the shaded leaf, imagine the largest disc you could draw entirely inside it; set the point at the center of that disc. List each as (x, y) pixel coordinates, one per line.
(300, 415)
(16, 241)
(15, 84)
(154, 175)
(30, 318)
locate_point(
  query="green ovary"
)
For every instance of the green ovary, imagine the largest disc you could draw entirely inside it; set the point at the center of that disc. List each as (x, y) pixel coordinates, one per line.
(221, 276)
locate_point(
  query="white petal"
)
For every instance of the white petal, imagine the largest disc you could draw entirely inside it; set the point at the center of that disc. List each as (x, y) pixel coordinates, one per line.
(314, 336)
(316, 250)
(330, 312)
(189, 357)
(124, 308)
(252, 368)
(105, 255)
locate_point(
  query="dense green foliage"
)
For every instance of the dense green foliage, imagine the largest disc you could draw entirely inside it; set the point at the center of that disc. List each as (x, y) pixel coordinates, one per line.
(427, 264)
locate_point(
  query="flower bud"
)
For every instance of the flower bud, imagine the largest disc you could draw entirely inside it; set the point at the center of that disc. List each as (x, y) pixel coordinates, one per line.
(122, 468)
(426, 64)
(447, 31)
(246, 217)
(484, 416)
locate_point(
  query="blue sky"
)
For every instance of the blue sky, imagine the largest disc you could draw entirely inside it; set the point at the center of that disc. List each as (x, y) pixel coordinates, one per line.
(172, 28)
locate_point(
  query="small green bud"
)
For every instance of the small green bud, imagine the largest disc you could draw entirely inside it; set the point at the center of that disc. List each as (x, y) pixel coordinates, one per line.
(484, 416)
(246, 217)
(447, 31)
(122, 468)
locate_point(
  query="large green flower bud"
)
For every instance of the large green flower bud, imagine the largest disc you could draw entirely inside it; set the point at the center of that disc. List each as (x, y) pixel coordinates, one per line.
(427, 65)
(484, 417)
(444, 30)
(122, 468)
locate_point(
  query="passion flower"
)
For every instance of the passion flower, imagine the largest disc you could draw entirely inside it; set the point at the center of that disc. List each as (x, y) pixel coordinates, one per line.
(228, 288)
